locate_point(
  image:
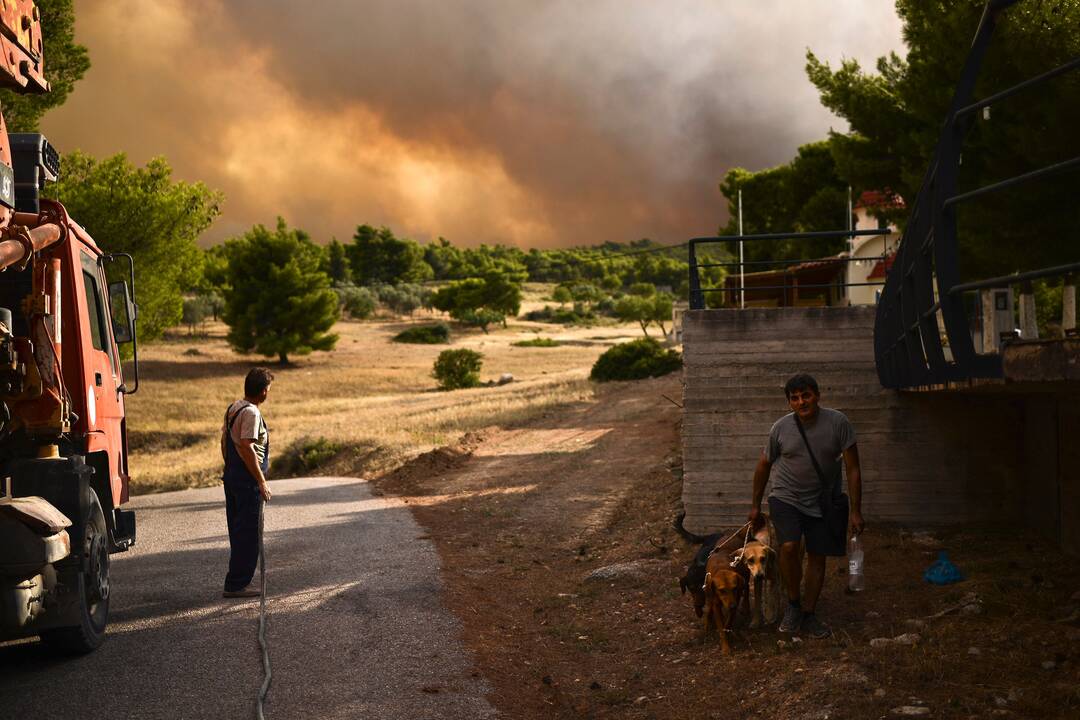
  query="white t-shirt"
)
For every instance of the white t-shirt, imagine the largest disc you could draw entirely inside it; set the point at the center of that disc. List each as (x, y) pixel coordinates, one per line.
(248, 425)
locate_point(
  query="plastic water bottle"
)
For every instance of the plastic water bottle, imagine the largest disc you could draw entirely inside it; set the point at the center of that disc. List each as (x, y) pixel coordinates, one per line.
(855, 564)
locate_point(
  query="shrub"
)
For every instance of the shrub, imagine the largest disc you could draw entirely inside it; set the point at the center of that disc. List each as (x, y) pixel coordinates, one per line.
(304, 456)
(537, 342)
(480, 318)
(357, 302)
(634, 360)
(456, 369)
(563, 316)
(425, 334)
(403, 299)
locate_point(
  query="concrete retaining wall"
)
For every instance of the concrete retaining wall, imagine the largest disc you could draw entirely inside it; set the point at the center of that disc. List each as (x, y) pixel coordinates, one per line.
(927, 458)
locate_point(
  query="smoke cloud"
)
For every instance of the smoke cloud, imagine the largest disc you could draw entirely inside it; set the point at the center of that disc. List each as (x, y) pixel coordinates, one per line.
(539, 124)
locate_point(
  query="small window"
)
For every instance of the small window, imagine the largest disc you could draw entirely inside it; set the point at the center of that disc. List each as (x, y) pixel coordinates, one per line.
(97, 310)
(94, 310)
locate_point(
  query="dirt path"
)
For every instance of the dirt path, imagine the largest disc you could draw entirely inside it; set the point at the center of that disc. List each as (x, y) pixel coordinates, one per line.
(520, 515)
(559, 559)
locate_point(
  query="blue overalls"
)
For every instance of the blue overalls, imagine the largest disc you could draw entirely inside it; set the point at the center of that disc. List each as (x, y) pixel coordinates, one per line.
(242, 504)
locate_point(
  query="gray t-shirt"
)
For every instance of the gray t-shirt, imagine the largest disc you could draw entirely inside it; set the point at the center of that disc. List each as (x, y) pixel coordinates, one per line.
(793, 477)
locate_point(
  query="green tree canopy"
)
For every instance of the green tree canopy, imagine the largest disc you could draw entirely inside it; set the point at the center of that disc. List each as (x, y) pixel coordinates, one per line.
(896, 115)
(480, 301)
(805, 194)
(144, 212)
(645, 308)
(65, 63)
(337, 263)
(278, 302)
(215, 270)
(376, 256)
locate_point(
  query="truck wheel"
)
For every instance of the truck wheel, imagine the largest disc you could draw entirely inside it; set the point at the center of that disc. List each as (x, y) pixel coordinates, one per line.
(93, 589)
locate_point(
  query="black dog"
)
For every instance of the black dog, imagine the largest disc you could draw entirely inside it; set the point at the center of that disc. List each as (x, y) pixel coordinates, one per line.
(694, 579)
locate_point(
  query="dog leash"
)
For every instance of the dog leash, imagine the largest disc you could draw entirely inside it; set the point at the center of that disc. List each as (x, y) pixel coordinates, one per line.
(746, 538)
(734, 534)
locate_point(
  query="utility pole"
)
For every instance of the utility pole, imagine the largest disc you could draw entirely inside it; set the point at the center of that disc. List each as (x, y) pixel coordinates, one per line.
(742, 287)
(850, 243)
(850, 227)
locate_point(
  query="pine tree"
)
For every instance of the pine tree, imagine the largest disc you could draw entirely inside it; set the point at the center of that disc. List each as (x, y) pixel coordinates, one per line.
(279, 302)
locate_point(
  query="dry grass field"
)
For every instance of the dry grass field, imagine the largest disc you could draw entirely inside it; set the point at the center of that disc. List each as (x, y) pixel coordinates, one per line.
(371, 396)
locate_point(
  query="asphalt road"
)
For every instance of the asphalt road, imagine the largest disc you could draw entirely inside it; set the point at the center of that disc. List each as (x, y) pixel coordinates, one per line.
(356, 627)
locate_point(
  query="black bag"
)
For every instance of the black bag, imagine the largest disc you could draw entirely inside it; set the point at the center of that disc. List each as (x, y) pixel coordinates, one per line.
(834, 509)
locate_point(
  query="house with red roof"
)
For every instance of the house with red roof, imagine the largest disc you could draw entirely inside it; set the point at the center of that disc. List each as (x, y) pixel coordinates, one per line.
(871, 255)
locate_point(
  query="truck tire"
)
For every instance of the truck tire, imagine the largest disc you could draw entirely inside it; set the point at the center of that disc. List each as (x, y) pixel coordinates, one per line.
(93, 590)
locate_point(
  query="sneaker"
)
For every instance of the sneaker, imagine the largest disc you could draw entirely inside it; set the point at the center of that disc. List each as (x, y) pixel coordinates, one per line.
(246, 592)
(792, 619)
(814, 628)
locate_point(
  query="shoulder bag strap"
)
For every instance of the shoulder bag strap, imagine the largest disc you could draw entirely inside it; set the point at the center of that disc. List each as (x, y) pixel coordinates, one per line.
(817, 468)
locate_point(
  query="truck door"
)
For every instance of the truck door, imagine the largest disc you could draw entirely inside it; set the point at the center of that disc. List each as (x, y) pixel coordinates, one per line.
(103, 403)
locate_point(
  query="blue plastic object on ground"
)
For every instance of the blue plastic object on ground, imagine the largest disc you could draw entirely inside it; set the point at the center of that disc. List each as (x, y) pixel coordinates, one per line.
(943, 572)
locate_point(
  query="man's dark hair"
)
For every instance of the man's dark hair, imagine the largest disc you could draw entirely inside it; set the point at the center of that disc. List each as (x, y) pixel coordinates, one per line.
(257, 380)
(800, 382)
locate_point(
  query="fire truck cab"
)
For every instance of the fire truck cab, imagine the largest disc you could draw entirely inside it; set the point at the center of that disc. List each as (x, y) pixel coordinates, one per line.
(63, 438)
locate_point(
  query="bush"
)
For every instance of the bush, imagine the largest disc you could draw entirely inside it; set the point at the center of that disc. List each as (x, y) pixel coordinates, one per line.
(403, 299)
(537, 342)
(357, 302)
(425, 335)
(304, 456)
(563, 316)
(480, 318)
(456, 369)
(635, 360)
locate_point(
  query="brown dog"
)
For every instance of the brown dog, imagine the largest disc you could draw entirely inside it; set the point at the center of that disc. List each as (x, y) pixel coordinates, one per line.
(724, 590)
(694, 579)
(756, 562)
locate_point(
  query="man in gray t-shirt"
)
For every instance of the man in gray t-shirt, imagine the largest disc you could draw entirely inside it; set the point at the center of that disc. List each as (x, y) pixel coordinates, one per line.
(795, 498)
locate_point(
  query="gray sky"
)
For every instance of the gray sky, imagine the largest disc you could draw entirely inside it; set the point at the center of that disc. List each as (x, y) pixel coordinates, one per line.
(532, 123)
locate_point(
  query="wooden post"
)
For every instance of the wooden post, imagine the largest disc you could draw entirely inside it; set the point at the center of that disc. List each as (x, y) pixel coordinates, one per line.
(1029, 324)
(989, 322)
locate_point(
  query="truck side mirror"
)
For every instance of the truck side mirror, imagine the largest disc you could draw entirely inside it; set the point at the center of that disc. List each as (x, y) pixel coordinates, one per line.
(123, 312)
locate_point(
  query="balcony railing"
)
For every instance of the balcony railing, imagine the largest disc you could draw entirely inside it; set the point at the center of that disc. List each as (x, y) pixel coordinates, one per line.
(922, 334)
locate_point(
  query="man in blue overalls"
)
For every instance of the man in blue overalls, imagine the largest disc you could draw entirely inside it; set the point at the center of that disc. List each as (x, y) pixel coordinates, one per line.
(245, 447)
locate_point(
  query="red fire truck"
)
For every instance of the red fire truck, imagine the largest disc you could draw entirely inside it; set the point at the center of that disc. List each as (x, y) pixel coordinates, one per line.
(63, 438)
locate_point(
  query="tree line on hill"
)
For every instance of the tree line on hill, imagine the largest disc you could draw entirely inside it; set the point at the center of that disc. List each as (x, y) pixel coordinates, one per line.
(280, 291)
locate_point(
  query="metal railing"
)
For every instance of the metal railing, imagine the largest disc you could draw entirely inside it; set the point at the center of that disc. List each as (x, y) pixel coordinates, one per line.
(923, 293)
(739, 290)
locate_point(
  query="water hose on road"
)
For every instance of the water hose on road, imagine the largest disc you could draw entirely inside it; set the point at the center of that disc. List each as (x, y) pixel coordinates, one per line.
(262, 619)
